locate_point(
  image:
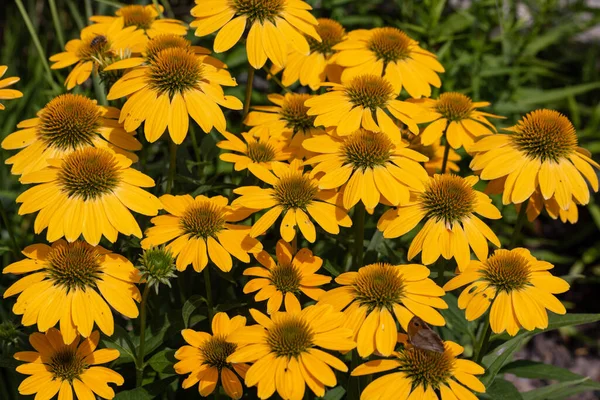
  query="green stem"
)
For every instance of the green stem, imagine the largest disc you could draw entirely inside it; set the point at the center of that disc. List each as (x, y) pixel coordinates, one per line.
(139, 373)
(172, 165)
(11, 234)
(207, 286)
(168, 8)
(158, 10)
(275, 79)
(99, 89)
(446, 153)
(485, 341)
(519, 225)
(441, 267)
(359, 234)
(249, 84)
(354, 381)
(57, 25)
(197, 152)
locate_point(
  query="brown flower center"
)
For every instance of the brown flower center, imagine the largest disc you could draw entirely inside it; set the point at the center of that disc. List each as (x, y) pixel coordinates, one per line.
(216, 350)
(163, 42)
(286, 278)
(293, 111)
(448, 198)
(66, 365)
(365, 149)
(507, 270)
(369, 91)
(203, 219)
(331, 33)
(175, 70)
(73, 265)
(290, 336)
(454, 106)
(378, 286)
(390, 44)
(261, 152)
(259, 10)
(137, 15)
(295, 190)
(89, 173)
(426, 368)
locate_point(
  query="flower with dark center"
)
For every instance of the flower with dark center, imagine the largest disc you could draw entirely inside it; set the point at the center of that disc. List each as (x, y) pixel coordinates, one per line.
(259, 10)
(175, 70)
(448, 198)
(454, 106)
(295, 190)
(370, 91)
(249, 150)
(390, 44)
(137, 15)
(163, 42)
(157, 266)
(293, 111)
(203, 219)
(366, 149)
(331, 33)
(145, 18)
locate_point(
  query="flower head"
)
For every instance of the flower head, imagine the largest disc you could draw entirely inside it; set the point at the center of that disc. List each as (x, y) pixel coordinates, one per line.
(59, 366)
(8, 94)
(262, 150)
(373, 295)
(448, 204)
(145, 18)
(201, 224)
(205, 357)
(518, 287)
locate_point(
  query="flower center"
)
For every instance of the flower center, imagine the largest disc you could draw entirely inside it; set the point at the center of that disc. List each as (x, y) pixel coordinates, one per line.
(290, 336)
(454, 106)
(545, 134)
(74, 265)
(203, 219)
(448, 198)
(69, 121)
(293, 111)
(427, 368)
(390, 44)
(507, 270)
(162, 42)
(93, 46)
(259, 10)
(331, 33)
(286, 278)
(89, 173)
(66, 365)
(369, 91)
(365, 149)
(175, 70)
(216, 350)
(295, 190)
(261, 152)
(378, 286)
(136, 15)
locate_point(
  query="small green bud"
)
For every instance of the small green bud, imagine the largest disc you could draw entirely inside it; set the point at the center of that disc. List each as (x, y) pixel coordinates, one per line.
(157, 266)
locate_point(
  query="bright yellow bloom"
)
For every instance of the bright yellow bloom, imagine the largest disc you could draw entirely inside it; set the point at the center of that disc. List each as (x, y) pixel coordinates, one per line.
(542, 153)
(284, 350)
(64, 287)
(275, 27)
(99, 46)
(286, 278)
(369, 165)
(391, 53)
(375, 294)
(201, 224)
(145, 18)
(356, 102)
(448, 205)
(435, 153)
(517, 286)
(423, 374)
(262, 150)
(205, 358)
(295, 195)
(89, 192)
(59, 367)
(67, 123)
(8, 94)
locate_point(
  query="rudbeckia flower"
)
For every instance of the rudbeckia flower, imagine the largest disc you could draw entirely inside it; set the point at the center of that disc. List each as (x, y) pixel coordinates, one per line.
(8, 94)
(373, 295)
(448, 205)
(518, 287)
(291, 275)
(435, 153)
(262, 150)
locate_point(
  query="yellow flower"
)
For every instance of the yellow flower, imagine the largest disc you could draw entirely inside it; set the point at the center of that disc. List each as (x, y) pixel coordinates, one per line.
(537, 204)
(354, 104)
(370, 166)
(423, 374)
(435, 153)
(59, 367)
(262, 150)
(205, 357)
(145, 18)
(275, 27)
(286, 278)
(517, 286)
(99, 45)
(448, 205)
(64, 287)
(8, 94)
(284, 350)
(295, 195)
(67, 123)
(199, 225)
(391, 53)
(372, 296)
(89, 192)
(176, 83)
(542, 153)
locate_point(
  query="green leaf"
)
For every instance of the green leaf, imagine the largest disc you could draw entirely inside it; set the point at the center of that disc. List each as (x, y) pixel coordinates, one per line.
(556, 390)
(156, 335)
(147, 392)
(531, 96)
(537, 370)
(503, 390)
(121, 341)
(336, 393)
(190, 306)
(495, 360)
(330, 268)
(556, 321)
(163, 361)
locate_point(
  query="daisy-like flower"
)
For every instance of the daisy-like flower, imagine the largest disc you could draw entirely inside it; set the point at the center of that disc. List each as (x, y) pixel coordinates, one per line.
(296, 195)
(145, 18)
(62, 367)
(262, 150)
(89, 192)
(8, 94)
(201, 224)
(448, 205)
(67, 123)
(369, 165)
(73, 284)
(205, 358)
(286, 278)
(284, 350)
(99, 46)
(174, 85)
(542, 153)
(435, 153)
(356, 102)
(423, 374)
(517, 286)
(373, 295)
(275, 27)
(391, 53)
